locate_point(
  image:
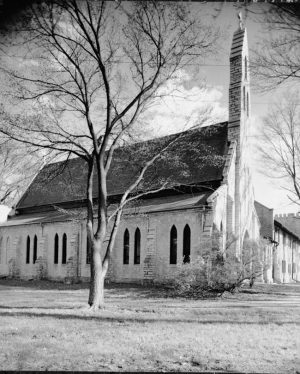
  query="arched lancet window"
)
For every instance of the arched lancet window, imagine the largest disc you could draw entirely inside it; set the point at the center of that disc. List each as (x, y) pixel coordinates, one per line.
(1, 251)
(126, 248)
(221, 235)
(6, 250)
(247, 104)
(246, 239)
(56, 249)
(64, 249)
(28, 250)
(246, 68)
(88, 251)
(186, 244)
(34, 249)
(137, 246)
(215, 237)
(173, 245)
(246, 248)
(244, 98)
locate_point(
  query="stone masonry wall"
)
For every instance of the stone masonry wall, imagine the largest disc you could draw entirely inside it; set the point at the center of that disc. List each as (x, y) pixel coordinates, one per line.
(15, 263)
(245, 219)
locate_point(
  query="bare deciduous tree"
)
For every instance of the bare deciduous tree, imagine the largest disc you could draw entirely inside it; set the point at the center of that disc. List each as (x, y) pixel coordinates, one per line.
(278, 57)
(99, 65)
(280, 146)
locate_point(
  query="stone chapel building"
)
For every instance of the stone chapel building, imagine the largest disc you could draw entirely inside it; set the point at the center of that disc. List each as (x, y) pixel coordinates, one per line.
(41, 241)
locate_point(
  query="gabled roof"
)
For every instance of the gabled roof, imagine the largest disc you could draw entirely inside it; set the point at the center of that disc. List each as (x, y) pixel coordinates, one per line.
(196, 157)
(265, 216)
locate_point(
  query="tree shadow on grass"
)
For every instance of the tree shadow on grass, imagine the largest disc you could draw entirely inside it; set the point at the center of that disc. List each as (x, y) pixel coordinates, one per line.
(180, 305)
(6, 307)
(136, 290)
(42, 284)
(140, 320)
(161, 308)
(254, 292)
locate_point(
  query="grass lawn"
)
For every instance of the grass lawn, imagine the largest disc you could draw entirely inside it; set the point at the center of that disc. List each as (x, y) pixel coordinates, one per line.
(46, 326)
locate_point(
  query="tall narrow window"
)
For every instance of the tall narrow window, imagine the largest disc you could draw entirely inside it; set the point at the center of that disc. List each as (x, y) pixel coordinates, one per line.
(186, 244)
(221, 236)
(56, 249)
(246, 68)
(276, 235)
(294, 268)
(284, 239)
(126, 248)
(244, 98)
(64, 249)
(215, 238)
(34, 249)
(88, 251)
(28, 250)
(247, 104)
(283, 266)
(6, 250)
(137, 246)
(1, 251)
(173, 245)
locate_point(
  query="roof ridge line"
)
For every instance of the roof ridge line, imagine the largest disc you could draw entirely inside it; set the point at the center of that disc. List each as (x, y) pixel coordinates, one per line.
(148, 140)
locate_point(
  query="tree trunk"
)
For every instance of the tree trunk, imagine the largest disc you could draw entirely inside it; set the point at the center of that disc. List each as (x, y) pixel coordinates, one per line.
(96, 295)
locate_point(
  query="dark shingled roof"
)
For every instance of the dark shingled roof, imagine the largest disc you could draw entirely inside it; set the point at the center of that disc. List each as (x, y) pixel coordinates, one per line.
(291, 221)
(284, 228)
(196, 157)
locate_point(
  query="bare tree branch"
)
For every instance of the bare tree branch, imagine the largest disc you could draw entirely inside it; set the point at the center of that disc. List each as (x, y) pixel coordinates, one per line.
(88, 100)
(280, 143)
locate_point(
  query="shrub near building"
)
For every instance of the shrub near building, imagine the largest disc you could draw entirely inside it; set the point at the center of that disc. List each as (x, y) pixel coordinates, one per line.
(217, 269)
